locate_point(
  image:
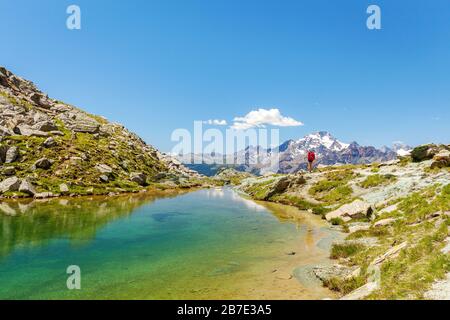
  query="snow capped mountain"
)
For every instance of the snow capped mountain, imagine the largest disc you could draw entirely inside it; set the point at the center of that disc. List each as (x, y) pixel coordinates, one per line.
(291, 156)
(402, 149)
(321, 139)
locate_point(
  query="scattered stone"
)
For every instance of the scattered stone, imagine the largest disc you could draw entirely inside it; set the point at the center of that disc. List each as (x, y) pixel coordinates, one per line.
(358, 226)
(76, 160)
(389, 209)
(435, 214)
(139, 177)
(63, 188)
(104, 178)
(124, 165)
(45, 126)
(12, 154)
(4, 132)
(27, 187)
(441, 160)
(49, 142)
(326, 272)
(361, 292)
(10, 184)
(43, 163)
(79, 121)
(446, 249)
(354, 210)
(292, 253)
(25, 130)
(384, 222)
(44, 195)
(394, 251)
(9, 171)
(440, 290)
(103, 168)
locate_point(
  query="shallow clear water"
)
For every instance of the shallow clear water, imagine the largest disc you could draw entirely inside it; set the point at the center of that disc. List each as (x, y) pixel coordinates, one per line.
(204, 244)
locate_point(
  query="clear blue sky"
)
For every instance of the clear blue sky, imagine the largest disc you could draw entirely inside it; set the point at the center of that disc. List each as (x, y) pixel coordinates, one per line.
(159, 65)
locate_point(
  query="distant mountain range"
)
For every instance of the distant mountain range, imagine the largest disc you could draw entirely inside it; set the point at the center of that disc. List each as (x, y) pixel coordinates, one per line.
(291, 156)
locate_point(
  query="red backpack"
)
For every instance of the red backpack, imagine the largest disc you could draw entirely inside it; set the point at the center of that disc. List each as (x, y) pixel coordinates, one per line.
(311, 156)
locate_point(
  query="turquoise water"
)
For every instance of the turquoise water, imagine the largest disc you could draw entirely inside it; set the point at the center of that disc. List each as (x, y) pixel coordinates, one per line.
(204, 244)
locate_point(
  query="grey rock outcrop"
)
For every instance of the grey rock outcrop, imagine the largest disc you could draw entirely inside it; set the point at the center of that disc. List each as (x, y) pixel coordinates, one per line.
(356, 209)
(10, 184)
(139, 177)
(27, 187)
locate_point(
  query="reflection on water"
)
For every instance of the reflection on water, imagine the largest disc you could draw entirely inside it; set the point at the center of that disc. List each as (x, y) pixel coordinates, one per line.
(34, 222)
(222, 193)
(209, 244)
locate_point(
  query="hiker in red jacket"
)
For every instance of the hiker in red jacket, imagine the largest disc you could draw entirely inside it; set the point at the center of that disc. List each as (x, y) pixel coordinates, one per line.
(311, 159)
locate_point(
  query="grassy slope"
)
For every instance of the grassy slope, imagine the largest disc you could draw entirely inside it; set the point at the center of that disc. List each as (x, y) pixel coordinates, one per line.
(411, 273)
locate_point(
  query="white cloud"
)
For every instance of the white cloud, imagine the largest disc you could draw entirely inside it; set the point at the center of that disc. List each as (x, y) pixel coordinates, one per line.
(216, 122)
(263, 117)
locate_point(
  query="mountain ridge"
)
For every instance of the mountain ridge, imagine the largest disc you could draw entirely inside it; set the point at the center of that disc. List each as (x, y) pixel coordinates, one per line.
(292, 155)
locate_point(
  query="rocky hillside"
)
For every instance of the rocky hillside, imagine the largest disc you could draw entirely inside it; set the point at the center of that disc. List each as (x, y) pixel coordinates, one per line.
(396, 216)
(50, 148)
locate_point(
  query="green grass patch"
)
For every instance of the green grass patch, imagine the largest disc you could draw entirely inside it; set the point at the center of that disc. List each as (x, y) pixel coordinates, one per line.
(377, 180)
(345, 250)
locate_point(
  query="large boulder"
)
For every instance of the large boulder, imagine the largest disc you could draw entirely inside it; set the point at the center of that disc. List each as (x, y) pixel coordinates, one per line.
(41, 100)
(78, 121)
(26, 130)
(139, 177)
(10, 184)
(424, 152)
(441, 159)
(45, 126)
(27, 187)
(279, 187)
(356, 209)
